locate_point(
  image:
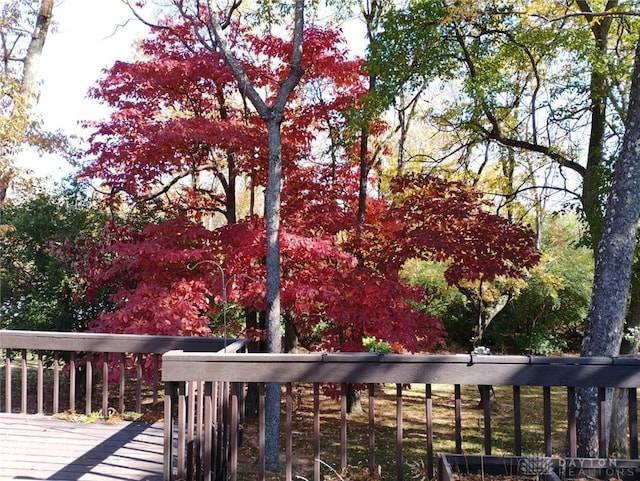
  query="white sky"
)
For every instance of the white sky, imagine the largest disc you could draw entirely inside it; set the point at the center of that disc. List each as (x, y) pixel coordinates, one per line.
(89, 36)
(84, 41)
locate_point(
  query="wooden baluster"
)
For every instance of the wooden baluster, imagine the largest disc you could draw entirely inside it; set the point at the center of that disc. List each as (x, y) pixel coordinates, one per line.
(633, 423)
(209, 433)
(122, 381)
(399, 432)
(372, 427)
(486, 407)
(316, 431)
(182, 413)
(233, 434)
(343, 425)
(169, 399)
(7, 382)
(517, 421)
(429, 419)
(261, 431)
(546, 409)
(40, 384)
(458, 418)
(602, 423)
(25, 375)
(72, 382)
(139, 383)
(200, 423)
(571, 422)
(105, 385)
(288, 431)
(156, 378)
(56, 382)
(216, 422)
(89, 385)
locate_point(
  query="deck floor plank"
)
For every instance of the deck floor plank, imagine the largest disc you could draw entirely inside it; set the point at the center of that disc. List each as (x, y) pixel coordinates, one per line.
(46, 448)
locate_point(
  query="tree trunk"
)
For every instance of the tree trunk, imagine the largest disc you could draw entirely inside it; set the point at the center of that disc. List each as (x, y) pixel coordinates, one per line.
(28, 94)
(291, 341)
(29, 86)
(619, 431)
(614, 259)
(272, 116)
(592, 181)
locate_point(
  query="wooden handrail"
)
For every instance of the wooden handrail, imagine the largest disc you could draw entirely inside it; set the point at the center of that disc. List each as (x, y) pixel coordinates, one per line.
(99, 342)
(394, 368)
(100, 354)
(373, 369)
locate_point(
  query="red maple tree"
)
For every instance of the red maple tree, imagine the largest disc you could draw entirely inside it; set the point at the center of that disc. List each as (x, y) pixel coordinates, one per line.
(182, 136)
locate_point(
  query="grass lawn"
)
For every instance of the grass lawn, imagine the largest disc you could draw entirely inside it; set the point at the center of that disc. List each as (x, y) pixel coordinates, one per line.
(414, 432)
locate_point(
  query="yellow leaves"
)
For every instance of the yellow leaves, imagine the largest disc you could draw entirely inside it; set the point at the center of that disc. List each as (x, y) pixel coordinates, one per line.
(14, 114)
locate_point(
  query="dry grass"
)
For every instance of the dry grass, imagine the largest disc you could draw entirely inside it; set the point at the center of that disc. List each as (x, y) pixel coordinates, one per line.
(414, 431)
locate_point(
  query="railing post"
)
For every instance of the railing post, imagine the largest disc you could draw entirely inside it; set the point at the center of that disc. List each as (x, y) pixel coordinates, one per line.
(105, 385)
(633, 423)
(182, 413)
(7, 382)
(233, 437)
(169, 403)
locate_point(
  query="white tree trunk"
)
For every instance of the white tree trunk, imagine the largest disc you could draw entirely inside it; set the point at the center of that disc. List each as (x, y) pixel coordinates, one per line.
(273, 116)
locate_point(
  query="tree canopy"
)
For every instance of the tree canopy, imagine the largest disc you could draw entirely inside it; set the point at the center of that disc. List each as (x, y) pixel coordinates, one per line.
(181, 134)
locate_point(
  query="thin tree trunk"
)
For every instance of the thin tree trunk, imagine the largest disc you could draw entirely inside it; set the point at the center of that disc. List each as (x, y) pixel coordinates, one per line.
(592, 180)
(29, 86)
(273, 116)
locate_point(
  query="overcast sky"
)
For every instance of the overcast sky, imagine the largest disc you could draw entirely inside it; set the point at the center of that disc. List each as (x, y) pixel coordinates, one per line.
(88, 36)
(85, 40)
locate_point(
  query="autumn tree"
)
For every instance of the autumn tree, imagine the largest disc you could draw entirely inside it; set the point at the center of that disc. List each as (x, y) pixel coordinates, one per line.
(23, 30)
(517, 86)
(215, 134)
(181, 119)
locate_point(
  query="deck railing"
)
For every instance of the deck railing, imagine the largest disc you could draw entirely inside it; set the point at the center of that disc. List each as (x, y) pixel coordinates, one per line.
(229, 373)
(60, 371)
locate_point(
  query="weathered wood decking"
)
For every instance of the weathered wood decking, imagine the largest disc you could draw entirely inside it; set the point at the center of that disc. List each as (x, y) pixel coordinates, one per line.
(43, 447)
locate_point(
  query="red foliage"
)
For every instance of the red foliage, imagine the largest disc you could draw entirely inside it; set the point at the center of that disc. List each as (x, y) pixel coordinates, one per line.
(431, 218)
(180, 129)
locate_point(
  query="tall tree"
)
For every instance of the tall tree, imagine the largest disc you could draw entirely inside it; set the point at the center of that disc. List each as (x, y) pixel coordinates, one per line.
(208, 24)
(23, 31)
(508, 96)
(614, 259)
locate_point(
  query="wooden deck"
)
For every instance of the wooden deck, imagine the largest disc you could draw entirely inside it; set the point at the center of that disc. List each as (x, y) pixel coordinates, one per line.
(42, 447)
